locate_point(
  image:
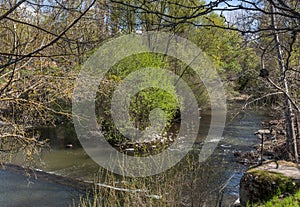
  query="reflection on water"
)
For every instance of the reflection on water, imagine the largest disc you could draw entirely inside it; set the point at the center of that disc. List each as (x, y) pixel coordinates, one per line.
(203, 181)
(19, 191)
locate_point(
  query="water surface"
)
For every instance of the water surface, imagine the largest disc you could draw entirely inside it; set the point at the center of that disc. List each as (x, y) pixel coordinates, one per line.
(17, 190)
(207, 179)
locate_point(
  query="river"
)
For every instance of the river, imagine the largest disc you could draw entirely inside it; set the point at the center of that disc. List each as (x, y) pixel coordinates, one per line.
(205, 180)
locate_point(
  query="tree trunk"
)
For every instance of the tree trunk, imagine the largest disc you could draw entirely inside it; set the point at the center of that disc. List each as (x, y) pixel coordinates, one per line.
(291, 142)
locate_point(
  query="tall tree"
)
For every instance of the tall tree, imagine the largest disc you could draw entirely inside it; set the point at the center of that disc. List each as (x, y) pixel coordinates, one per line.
(270, 24)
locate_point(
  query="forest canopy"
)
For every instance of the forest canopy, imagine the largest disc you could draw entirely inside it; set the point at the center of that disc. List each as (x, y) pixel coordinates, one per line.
(253, 44)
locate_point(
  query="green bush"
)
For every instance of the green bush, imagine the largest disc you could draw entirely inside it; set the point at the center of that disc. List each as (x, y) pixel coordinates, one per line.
(142, 103)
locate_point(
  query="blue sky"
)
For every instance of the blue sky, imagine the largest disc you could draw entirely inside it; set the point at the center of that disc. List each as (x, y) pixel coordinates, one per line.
(229, 15)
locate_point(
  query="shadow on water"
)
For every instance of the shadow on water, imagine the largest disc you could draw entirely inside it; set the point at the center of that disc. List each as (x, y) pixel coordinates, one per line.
(203, 182)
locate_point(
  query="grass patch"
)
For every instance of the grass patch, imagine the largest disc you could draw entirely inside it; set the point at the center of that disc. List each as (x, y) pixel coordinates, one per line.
(279, 201)
(181, 185)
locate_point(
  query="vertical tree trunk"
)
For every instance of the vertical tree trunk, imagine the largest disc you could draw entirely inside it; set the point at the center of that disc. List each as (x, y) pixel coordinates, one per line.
(291, 142)
(297, 126)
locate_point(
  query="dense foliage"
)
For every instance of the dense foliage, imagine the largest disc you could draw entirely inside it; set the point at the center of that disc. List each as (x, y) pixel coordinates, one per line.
(44, 43)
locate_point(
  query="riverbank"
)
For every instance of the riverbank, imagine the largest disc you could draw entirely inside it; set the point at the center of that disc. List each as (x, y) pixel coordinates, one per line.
(271, 149)
(272, 146)
(261, 183)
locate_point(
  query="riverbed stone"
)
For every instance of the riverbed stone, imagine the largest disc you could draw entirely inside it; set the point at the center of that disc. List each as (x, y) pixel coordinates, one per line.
(263, 131)
(262, 182)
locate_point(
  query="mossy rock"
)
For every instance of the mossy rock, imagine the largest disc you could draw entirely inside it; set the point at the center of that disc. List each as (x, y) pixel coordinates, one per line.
(261, 183)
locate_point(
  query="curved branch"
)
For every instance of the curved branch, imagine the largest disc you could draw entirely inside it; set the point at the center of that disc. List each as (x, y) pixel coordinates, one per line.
(285, 93)
(58, 37)
(12, 9)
